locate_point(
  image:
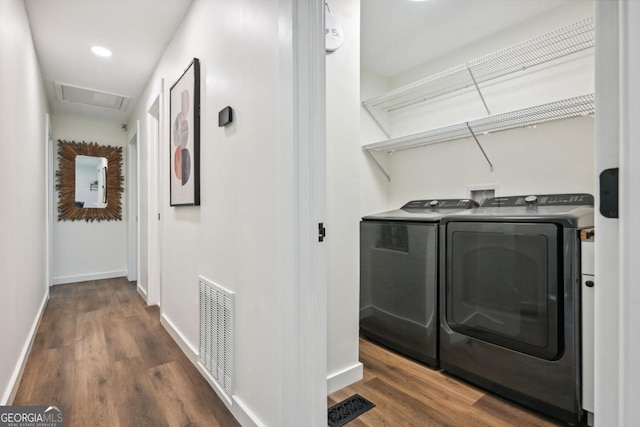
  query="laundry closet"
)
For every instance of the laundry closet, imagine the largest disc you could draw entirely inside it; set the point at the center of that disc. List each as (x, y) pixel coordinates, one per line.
(487, 99)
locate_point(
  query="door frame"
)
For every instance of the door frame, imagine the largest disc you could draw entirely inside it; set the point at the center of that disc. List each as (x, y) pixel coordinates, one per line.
(50, 196)
(154, 152)
(304, 325)
(133, 204)
(617, 243)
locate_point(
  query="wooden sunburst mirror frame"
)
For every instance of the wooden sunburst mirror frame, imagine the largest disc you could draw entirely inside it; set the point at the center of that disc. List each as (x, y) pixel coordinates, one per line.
(66, 182)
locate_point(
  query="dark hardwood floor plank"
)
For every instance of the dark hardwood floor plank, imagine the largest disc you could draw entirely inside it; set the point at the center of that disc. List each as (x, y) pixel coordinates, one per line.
(48, 378)
(415, 377)
(136, 401)
(103, 355)
(92, 390)
(177, 398)
(90, 341)
(409, 393)
(396, 407)
(206, 395)
(118, 338)
(507, 412)
(153, 342)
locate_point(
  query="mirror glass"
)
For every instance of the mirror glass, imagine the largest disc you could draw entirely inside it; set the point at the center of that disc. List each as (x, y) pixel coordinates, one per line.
(91, 182)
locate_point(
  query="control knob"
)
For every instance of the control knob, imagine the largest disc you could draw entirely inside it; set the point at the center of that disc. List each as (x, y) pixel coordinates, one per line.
(531, 200)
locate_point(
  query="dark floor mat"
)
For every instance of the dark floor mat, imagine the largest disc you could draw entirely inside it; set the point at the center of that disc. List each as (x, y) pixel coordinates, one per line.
(348, 410)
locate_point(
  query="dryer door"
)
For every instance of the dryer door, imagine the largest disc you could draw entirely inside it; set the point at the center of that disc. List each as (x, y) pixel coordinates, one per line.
(502, 285)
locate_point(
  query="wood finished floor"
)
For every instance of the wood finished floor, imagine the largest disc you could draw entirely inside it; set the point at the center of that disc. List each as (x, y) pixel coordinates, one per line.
(407, 393)
(102, 354)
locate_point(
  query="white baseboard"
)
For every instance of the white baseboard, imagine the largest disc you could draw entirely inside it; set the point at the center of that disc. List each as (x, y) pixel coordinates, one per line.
(344, 378)
(12, 388)
(142, 293)
(85, 277)
(240, 411)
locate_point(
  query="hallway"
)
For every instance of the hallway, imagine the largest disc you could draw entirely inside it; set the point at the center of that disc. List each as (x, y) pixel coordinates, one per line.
(102, 354)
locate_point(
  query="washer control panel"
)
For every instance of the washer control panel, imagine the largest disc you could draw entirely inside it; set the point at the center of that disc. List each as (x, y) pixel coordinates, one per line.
(541, 200)
(441, 204)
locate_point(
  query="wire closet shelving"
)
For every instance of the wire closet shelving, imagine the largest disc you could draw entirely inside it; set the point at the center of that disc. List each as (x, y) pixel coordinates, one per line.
(539, 50)
(556, 44)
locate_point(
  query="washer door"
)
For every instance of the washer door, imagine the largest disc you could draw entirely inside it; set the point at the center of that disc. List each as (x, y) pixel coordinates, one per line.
(502, 285)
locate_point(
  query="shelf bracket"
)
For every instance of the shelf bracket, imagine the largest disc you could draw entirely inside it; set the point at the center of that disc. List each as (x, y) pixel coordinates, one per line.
(377, 163)
(473, 78)
(377, 120)
(480, 147)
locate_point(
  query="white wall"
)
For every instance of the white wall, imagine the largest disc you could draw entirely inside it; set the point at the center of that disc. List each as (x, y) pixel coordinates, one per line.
(90, 250)
(240, 237)
(343, 164)
(552, 157)
(23, 107)
(374, 185)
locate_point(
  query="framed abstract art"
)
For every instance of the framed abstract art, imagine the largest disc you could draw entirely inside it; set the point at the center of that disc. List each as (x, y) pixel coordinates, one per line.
(184, 147)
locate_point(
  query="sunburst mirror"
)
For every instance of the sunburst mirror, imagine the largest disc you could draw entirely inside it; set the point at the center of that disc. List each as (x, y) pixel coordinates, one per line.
(89, 182)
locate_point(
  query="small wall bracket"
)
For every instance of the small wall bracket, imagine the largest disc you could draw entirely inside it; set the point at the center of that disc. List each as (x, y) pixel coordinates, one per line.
(480, 147)
(377, 163)
(473, 78)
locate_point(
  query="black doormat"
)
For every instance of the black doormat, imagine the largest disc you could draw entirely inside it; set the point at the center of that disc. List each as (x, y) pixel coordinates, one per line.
(348, 410)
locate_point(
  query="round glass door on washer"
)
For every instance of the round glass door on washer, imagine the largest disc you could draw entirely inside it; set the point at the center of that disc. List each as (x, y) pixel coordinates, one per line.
(399, 276)
(510, 299)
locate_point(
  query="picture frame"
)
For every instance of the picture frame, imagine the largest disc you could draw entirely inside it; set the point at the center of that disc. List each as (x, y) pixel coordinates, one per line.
(69, 209)
(184, 145)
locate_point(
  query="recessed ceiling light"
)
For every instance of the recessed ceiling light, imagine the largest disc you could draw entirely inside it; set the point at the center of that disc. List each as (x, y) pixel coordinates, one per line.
(101, 51)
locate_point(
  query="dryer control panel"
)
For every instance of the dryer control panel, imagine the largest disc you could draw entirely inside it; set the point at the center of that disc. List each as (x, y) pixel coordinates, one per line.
(441, 204)
(541, 200)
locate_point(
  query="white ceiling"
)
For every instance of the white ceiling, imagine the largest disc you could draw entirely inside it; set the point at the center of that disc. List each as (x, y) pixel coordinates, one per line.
(136, 31)
(397, 35)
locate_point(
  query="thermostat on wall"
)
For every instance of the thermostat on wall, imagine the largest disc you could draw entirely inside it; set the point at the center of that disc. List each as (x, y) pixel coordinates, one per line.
(225, 116)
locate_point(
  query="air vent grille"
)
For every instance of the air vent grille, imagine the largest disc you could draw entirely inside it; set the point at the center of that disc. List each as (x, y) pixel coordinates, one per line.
(95, 98)
(216, 333)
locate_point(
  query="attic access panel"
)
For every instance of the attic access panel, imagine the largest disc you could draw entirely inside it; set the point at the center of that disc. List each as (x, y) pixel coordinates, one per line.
(91, 97)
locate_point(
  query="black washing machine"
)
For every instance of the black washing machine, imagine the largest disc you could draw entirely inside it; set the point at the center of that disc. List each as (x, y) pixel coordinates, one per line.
(510, 299)
(399, 276)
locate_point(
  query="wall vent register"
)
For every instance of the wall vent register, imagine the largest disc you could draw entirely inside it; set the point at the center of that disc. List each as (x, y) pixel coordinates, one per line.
(216, 333)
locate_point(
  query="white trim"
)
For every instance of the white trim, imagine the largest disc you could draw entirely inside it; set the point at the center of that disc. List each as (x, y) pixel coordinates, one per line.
(240, 411)
(215, 385)
(190, 351)
(606, 278)
(154, 143)
(133, 206)
(629, 293)
(85, 277)
(344, 378)
(304, 293)
(12, 387)
(49, 197)
(244, 416)
(142, 293)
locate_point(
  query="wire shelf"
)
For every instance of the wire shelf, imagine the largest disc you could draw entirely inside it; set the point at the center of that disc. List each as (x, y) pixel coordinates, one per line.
(539, 50)
(567, 108)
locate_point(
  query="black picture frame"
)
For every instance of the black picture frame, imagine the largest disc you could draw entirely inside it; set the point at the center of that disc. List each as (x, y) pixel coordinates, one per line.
(184, 145)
